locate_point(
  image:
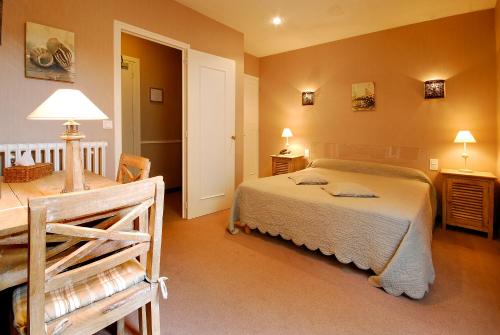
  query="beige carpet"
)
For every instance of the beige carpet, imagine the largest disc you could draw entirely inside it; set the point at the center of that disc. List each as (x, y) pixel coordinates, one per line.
(256, 284)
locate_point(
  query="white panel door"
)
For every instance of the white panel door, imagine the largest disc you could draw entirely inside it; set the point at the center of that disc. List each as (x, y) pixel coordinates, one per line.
(210, 133)
(131, 106)
(251, 128)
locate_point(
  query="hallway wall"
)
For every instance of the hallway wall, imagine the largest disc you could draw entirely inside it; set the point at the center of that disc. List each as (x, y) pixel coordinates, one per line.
(161, 67)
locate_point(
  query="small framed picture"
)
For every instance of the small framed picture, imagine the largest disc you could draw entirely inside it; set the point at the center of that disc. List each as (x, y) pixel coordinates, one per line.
(307, 98)
(156, 94)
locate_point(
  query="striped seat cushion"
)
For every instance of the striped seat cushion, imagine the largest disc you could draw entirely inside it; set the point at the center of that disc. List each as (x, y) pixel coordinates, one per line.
(80, 294)
(13, 263)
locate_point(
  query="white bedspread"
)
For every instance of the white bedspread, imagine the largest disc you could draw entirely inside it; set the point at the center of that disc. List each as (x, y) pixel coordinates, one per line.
(390, 234)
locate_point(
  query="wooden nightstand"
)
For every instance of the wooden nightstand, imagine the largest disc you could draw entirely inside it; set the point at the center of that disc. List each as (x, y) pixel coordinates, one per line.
(287, 163)
(468, 200)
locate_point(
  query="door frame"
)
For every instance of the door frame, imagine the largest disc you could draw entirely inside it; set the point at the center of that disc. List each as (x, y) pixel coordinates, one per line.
(136, 62)
(257, 80)
(120, 27)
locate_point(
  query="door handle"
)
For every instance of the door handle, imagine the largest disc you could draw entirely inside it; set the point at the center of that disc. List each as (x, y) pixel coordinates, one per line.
(233, 137)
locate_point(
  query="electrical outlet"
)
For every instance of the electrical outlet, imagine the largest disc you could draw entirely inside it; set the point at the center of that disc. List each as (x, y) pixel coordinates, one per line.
(433, 164)
(107, 124)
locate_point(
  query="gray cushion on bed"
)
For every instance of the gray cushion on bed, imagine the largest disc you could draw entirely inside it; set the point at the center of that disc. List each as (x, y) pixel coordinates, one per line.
(346, 189)
(308, 178)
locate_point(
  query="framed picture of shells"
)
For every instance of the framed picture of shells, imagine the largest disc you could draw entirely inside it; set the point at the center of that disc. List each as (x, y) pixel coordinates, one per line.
(363, 96)
(50, 53)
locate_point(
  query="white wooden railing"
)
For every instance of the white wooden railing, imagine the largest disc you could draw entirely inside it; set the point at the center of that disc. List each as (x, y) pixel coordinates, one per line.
(93, 155)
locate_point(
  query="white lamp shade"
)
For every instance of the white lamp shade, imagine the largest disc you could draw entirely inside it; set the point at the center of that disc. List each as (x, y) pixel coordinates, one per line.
(67, 104)
(464, 136)
(286, 133)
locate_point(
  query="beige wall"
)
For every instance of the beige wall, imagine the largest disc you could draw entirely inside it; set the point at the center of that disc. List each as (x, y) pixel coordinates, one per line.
(160, 67)
(92, 23)
(460, 49)
(497, 44)
(497, 36)
(251, 65)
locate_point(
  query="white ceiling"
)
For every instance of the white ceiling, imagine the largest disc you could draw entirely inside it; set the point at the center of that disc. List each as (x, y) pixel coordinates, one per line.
(314, 22)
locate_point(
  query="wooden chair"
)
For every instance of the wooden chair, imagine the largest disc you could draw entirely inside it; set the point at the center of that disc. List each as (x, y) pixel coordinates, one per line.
(129, 226)
(14, 258)
(140, 165)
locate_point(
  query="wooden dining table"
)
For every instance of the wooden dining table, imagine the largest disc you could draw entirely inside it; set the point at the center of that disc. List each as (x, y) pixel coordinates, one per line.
(14, 198)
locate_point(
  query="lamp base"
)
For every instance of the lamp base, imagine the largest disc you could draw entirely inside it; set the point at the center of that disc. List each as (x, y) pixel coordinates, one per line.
(466, 170)
(85, 188)
(74, 180)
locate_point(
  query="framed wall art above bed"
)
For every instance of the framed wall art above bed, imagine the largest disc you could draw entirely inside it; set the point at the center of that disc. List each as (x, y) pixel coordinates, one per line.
(363, 96)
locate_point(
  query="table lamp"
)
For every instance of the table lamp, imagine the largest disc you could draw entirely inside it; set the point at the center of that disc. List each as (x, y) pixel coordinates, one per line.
(465, 136)
(286, 133)
(70, 105)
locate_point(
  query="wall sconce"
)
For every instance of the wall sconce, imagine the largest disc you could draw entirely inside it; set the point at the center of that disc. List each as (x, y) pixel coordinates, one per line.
(434, 89)
(307, 98)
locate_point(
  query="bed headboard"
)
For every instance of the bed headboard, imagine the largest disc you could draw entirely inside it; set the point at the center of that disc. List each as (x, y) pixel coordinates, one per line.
(395, 155)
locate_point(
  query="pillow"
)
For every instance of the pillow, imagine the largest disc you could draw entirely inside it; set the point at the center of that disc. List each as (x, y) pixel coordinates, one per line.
(308, 178)
(347, 189)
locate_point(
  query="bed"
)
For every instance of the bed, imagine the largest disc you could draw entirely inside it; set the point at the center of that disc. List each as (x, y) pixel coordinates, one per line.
(390, 234)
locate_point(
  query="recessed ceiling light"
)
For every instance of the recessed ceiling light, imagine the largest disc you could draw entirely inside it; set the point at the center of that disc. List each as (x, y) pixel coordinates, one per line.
(277, 20)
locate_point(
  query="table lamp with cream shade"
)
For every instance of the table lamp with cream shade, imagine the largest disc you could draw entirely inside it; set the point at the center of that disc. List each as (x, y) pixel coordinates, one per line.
(70, 105)
(465, 136)
(287, 132)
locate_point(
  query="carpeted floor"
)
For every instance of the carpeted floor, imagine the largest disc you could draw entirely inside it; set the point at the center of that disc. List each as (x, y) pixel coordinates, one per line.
(256, 284)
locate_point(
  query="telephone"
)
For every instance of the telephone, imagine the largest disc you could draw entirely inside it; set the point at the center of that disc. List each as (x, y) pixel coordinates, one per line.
(285, 152)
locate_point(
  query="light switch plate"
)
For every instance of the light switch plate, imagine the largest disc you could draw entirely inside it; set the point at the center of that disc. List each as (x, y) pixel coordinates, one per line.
(433, 164)
(107, 124)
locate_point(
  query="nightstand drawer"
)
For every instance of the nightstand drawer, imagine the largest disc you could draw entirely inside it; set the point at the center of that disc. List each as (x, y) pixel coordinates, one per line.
(281, 166)
(286, 164)
(467, 203)
(468, 200)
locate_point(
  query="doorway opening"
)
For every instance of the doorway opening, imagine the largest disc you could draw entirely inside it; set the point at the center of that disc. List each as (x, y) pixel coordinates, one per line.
(152, 108)
(210, 146)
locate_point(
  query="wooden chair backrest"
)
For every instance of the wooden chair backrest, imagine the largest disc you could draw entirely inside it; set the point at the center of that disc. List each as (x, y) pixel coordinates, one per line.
(140, 167)
(117, 208)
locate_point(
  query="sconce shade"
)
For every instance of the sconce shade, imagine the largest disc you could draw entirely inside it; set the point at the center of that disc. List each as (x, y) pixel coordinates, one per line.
(434, 89)
(286, 133)
(464, 136)
(67, 104)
